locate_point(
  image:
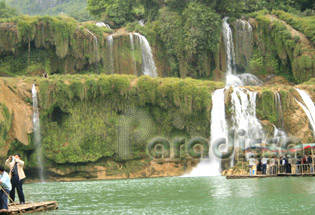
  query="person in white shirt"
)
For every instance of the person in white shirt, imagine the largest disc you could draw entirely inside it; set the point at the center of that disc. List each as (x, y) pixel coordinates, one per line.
(264, 162)
(5, 188)
(17, 176)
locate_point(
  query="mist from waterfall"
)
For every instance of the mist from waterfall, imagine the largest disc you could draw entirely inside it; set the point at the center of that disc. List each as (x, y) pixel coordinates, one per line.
(309, 109)
(37, 135)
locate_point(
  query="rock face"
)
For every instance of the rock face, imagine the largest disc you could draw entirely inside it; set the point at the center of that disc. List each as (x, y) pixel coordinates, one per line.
(82, 118)
(13, 97)
(243, 43)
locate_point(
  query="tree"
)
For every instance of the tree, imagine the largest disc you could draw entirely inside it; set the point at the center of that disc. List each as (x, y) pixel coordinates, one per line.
(151, 8)
(202, 29)
(117, 11)
(6, 12)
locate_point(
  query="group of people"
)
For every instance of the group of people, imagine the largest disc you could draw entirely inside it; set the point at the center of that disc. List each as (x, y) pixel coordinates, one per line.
(12, 181)
(280, 164)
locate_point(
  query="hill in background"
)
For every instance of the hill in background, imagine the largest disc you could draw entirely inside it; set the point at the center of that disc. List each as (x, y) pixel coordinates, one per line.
(74, 8)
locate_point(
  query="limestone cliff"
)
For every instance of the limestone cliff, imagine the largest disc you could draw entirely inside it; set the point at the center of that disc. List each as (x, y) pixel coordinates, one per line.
(99, 126)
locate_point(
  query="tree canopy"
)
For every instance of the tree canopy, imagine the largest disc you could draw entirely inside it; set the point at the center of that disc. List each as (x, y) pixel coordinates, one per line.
(5, 11)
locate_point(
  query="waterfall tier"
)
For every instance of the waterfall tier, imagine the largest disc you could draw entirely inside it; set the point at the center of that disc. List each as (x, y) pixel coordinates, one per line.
(309, 108)
(37, 135)
(148, 64)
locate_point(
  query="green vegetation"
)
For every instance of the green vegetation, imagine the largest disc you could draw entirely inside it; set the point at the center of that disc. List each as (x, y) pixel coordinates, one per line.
(81, 114)
(266, 106)
(304, 24)
(32, 45)
(5, 123)
(281, 51)
(73, 8)
(5, 11)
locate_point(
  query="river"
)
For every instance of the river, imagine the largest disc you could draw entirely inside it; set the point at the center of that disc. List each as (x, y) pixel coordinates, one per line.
(178, 195)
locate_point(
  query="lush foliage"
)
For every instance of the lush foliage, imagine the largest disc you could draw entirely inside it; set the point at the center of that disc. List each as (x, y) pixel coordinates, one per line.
(74, 8)
(5, 123)
(5, 11)
(81, 114)
(304, 24)
(33, 45)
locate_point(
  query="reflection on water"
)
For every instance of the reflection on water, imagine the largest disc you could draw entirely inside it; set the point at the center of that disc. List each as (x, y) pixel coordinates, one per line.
(178, 195)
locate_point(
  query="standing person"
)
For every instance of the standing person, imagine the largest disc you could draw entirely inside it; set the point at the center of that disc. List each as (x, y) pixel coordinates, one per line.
(252, 165)
(264, 162)
(17, 175)
(6, 187)
(272, 164)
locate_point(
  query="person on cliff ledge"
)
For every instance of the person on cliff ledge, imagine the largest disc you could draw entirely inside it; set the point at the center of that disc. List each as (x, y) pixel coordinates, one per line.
(17, 176)
(5, 188)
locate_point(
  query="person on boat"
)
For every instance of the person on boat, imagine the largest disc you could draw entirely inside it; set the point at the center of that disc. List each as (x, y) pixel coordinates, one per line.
(5, 188)
(17, 176)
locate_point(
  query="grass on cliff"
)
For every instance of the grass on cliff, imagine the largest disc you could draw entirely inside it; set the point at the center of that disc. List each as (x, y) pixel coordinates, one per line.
(304, 24)
(81, 114)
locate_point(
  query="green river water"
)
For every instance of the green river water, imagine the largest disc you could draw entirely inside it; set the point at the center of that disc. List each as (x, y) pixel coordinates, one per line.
(179, 195)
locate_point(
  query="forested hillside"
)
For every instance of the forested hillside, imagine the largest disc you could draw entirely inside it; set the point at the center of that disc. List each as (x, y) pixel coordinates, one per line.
(74, 8)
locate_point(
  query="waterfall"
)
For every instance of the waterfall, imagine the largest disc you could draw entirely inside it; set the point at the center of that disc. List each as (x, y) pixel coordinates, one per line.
(132, 45)
(243, 106)
(243, 43)
(278, 136)
(141, 22)
(279, 109)
(148, 65)
(37, 137)
(95, 49)
(229, 47)
(219, 129)
(110, 45)
(232, 79)
(102, 24)
(211, 166)
(309, 109)
(244, 112)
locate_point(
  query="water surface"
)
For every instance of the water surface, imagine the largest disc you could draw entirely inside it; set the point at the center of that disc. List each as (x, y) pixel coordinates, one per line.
(179, 195)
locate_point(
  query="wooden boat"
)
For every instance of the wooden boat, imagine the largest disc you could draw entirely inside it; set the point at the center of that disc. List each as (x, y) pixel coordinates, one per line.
(29, 207)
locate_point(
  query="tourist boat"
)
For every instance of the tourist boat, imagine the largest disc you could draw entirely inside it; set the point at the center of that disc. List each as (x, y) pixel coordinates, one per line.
(29, 207)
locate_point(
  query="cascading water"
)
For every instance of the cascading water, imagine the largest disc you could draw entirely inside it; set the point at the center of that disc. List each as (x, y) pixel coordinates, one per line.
(95, 49)
(232, 79)
(309, 109)
(37, 137)
(148, 65)
(243, 43)
(243, 107)
(211, 166)
(229, 47)
(244, 113)
(279, 109)
(110, 44)
(132, 44)
(141, 22)
(102, 24)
